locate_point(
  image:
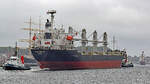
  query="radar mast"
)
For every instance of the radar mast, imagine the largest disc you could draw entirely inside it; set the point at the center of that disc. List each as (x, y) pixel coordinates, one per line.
(51, 12)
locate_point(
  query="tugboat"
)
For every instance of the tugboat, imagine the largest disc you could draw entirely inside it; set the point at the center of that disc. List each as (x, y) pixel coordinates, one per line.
(142, 61)
(127, 64)
(14, 63)
(125, 61)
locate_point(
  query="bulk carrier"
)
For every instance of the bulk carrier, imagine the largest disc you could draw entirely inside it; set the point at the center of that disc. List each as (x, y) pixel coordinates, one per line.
(55, 49)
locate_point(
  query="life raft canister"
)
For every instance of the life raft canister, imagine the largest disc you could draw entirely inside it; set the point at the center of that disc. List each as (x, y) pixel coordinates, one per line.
(69, 37)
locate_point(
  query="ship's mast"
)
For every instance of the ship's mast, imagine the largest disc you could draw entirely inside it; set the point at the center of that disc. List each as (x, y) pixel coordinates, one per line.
(30, 29)
(30, 34)
(16, 50)
(142, 56)
(30, 37)
(52, 12)
(39, 24)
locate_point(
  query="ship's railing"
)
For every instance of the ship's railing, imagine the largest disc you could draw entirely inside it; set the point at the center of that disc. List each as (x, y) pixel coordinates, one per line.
(102, 53)
(54, 48)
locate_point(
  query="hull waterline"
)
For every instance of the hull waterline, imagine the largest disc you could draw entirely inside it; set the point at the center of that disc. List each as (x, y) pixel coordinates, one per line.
(81, 65)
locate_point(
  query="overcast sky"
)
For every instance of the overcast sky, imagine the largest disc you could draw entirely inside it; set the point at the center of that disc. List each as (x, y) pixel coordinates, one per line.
(127, 20)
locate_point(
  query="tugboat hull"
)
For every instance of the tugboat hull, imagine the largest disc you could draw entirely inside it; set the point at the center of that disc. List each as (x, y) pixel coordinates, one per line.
(128, 65)
(15, 67)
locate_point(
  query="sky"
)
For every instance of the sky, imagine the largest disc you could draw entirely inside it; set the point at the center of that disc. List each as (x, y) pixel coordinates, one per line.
(127, 20)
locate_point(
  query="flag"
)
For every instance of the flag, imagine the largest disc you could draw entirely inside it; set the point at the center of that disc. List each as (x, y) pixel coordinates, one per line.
(22, 59)
(34, 38)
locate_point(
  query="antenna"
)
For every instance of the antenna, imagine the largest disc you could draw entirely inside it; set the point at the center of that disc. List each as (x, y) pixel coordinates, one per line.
(16, 50)
(114, 42)
(142, 56)
(30, 33)
(39, 23)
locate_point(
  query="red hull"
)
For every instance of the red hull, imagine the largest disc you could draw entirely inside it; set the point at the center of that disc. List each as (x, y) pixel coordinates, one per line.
(81, 65)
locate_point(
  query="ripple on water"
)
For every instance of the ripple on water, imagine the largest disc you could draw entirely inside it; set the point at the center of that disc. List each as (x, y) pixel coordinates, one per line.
(136, 75)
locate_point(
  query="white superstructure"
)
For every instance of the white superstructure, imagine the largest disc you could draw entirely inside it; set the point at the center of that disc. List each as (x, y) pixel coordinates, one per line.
(54, 38)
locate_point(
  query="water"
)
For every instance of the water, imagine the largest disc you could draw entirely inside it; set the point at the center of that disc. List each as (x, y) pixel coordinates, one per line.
(136, 75)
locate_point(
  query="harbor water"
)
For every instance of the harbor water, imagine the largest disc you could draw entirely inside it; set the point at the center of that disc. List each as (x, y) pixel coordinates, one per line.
(136, 75)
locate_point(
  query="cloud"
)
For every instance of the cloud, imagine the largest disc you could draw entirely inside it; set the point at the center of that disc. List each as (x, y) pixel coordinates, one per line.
(128, 20)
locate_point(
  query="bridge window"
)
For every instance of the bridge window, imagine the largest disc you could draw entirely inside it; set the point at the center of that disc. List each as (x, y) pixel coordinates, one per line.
(48, 36)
